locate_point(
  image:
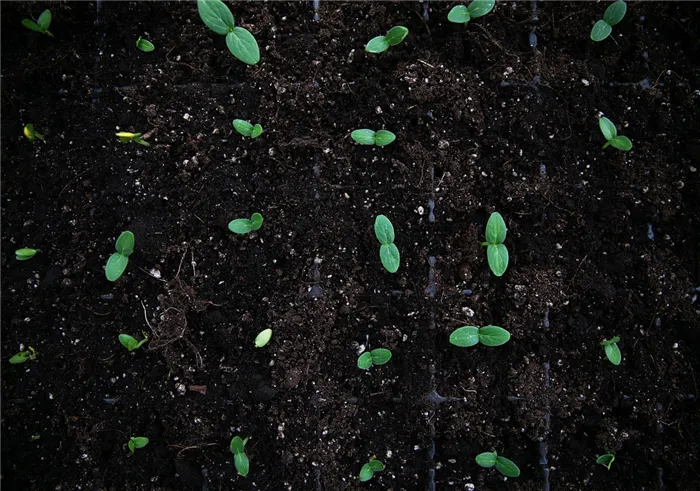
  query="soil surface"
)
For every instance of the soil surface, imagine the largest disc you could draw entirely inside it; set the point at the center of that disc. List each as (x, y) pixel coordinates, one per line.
(499, 116)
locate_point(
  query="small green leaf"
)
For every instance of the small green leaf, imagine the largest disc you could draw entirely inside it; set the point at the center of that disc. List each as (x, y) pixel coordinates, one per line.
(44, 20)
(479, 8)
(376, 465)
(257, 131)
(380, 356)
(377, 44)
(256, 221)
(242, 464)
(493, 336)
(390, 257)
(396, 35)
(116, 264)
(496, 229)
(263, 338)
(607, 127)
(383, 138)
(243, 127)
(30, 24)
(621, 143)
(363, 137)
(384, 230)
(507, 467)
(486, 459)
(144, 45)
(606, 460)
(125, 243)
(613, 353)
(242, 44)
(240, 226)
(128, 342)
(613, 14)
(237, 444)
(497, 256)
(464, 337)
(216, 16)
(459, 15)
(364, 361)
(131, 446)
(139, 441)
(25, 253)
(20, 357)
(366, 473)
(600, 31)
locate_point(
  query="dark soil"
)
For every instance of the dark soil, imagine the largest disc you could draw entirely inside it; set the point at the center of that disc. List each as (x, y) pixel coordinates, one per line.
(484, 122)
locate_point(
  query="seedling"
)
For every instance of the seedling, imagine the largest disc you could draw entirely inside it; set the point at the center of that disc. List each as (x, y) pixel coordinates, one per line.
(613, 15)
(117, 262)
(144, 45)
(219, 19)
(478, 8)
(31, 134)
(23, 356)
(41, 25)
(380, 138)
(126, 137)
(263, 338)
(368, 470)
(25, 253)
(131, 343)
(609, 131)
(503, 465)
(611, 350)
(243, 226)
(380, 44)
(605, 460)
(240, 459)
(496, 252)
(467, 336)
(247, 129)
(137, 442)
(388, 252)
(377, 356)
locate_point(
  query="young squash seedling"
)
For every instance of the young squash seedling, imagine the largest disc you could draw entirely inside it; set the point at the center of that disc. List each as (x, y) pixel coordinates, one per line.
(368, 470)
(613, 15)
(378, 356)
(144, 45)
(496, 252)
(117, 262)
(611, 350)
(241, 43)
(388, 252)
(380, 44)
(478, 8)
(25, 253)
(605, 460)
(247, 129)
(240, 459)
(467, 336)
(126, 137)
(31, 134)
(131, 343)
(41, 25)
(609, 131)
(137, 442)
(263, 338)
(243, 226)
(503, 465)
(380, 138)
(23, 356)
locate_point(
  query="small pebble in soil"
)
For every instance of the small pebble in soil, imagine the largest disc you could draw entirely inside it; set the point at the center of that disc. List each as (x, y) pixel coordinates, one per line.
(543, 170)
(650, 232)
(546, 320)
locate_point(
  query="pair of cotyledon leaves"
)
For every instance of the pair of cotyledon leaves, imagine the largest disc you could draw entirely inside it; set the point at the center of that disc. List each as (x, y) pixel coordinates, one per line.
(217, 16)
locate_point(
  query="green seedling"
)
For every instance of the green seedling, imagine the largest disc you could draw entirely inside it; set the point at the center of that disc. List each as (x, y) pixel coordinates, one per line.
(144, 45)
(137, 442)
(31, 134)
(605, 460)
(467, 336)
(368, 470)
(117, 262)
(380, 138)
(247, 129)
(23, 356)
(243, 226)
(25, 253)
(611, 350)
(613, 15)
(126, 137)
(478, 8)
(41, 25)
(609, 131)
(241, 43)
(240, 459)
(388, 252)
(377, 356)
(263, 338)
(503, 465)
(496, 252)
(131, 343)
(380, 44)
